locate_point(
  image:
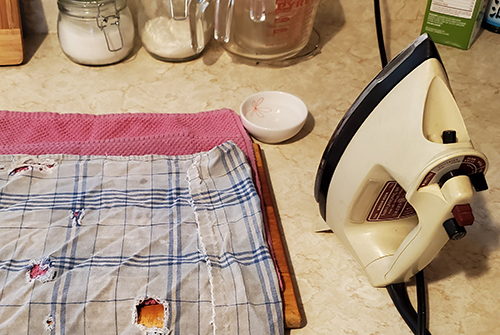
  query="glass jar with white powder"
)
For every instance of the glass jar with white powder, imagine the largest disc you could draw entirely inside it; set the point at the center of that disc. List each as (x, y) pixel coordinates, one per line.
(95, 32)
(175, 30)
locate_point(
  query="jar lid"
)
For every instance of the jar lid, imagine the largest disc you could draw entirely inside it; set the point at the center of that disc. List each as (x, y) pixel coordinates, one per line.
(89, 9)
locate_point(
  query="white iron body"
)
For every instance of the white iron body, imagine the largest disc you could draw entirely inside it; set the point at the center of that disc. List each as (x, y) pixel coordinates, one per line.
(400, 143)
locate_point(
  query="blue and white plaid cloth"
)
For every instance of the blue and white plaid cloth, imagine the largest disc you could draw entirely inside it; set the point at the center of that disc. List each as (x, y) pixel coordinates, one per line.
(84, 240)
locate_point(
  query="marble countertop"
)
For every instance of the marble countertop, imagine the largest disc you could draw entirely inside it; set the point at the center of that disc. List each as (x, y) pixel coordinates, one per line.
(463, 281)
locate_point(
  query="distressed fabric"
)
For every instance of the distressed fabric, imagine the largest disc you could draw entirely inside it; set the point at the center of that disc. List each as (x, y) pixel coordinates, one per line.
(86, 239)
(125, 134)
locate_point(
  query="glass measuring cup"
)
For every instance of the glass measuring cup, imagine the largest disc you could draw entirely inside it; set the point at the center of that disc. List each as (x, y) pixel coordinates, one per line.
(264, 29)
(175, 30)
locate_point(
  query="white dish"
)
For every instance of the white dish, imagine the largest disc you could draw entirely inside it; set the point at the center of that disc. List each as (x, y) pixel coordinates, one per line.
(273, 116)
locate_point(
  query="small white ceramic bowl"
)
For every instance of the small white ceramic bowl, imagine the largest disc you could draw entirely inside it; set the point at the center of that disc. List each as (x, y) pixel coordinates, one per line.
(273, 116)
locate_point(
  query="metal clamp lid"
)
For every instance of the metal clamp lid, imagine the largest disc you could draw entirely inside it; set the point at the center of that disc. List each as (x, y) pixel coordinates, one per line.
(108, 20)
(88, 9)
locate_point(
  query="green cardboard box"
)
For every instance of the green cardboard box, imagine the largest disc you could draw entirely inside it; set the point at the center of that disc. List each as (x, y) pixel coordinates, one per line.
(454, 22)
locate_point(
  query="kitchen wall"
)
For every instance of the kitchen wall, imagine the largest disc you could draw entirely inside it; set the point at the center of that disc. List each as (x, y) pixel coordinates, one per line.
(40, 16)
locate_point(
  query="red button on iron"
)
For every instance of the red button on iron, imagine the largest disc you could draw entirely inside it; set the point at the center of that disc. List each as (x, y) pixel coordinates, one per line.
(463, 215)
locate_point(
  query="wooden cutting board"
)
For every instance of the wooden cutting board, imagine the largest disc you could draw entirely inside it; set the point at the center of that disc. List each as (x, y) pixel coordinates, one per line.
(11, 39)
(291, 309)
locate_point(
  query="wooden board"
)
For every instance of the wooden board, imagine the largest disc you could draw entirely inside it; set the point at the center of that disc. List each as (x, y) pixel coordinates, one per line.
(292, 315)
(11, 39)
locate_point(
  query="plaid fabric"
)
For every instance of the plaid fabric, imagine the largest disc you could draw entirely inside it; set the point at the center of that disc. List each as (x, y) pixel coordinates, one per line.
(86, 239)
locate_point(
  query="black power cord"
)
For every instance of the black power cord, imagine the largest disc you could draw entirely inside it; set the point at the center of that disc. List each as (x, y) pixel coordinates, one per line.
(380, 33)
(421, 304)
(399, 295)
(415, 320)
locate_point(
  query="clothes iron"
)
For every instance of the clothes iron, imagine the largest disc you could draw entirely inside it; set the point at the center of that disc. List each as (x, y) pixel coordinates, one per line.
(397, 177)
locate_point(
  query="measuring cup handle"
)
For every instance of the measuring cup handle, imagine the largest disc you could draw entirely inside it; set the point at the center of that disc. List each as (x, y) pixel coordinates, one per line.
(178, 9)
(223, 20)
(196, 17)
(257, 10)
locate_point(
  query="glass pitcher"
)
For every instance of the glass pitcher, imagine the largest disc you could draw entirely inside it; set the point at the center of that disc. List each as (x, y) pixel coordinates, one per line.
(175, 30)
(264, 29)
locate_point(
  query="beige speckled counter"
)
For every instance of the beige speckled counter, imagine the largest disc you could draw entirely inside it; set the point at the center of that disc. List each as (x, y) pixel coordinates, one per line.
(463, 281)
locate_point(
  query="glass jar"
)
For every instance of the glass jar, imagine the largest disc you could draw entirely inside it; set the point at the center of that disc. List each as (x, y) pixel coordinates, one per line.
(264, 29)
(175, 30)
(95, 32)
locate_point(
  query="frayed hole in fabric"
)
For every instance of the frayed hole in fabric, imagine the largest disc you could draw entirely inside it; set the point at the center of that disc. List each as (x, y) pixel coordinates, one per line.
(32, 164)
(49, 323)
(150, 315)
(41, 270)
(76, 216)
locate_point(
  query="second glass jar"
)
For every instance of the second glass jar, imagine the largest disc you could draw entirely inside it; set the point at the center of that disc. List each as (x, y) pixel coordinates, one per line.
(175, 30)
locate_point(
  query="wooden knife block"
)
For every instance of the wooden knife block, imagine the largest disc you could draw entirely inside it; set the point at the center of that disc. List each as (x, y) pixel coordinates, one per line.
(11, 39)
